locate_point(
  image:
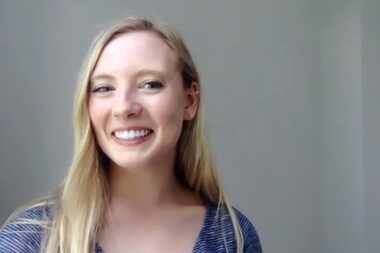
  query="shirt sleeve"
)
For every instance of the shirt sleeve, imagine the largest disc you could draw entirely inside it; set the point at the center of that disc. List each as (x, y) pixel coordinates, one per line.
(21, 234)
(251, 238)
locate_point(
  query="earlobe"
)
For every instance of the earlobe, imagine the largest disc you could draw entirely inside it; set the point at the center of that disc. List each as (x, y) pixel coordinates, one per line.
(192, 103)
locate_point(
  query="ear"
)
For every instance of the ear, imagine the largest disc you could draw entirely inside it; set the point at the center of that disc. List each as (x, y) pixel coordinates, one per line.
(192, 101)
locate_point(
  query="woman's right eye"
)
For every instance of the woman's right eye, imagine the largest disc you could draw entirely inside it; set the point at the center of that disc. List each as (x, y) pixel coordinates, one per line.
(102, 89)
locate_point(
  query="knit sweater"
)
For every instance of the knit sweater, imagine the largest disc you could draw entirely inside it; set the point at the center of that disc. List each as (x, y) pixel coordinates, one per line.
(216, 235)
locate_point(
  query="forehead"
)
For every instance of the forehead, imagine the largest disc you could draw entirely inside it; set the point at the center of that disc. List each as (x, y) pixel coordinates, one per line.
(135, 51)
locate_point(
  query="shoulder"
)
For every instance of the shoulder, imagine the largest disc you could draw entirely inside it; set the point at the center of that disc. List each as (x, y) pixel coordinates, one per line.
(251, 237)
(23, 231)
(219, 229)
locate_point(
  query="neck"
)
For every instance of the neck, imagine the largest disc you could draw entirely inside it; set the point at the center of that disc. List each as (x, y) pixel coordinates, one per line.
(145, 188)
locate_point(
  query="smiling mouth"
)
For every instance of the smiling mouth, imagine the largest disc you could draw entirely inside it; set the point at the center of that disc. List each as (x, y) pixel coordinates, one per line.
(131, 135)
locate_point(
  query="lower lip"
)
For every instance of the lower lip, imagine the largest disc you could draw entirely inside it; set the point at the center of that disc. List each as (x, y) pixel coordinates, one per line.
(132, 142)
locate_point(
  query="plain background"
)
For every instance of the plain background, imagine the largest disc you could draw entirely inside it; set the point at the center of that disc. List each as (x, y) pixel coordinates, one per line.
(291, 104)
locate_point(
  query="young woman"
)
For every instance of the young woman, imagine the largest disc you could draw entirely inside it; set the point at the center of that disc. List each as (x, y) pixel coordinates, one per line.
(142, 179)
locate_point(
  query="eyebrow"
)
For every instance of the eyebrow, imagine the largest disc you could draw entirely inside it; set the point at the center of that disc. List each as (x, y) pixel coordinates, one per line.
(101, 76)
(144, 72)
(139, 73)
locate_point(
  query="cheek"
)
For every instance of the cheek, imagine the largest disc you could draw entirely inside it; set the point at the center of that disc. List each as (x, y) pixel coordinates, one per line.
(172, 118)
(169, 116)
(97, 112)
(169, 109)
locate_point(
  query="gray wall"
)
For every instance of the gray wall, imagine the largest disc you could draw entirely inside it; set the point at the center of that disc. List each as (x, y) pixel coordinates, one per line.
(341, 128)
(371, 122)
(292, 125)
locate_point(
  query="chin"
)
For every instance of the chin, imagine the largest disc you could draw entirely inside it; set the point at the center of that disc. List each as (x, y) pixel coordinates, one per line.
(130, 165)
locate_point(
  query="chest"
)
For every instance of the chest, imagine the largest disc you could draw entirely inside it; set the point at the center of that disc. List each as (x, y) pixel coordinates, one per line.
(165, 236)
(159, 244)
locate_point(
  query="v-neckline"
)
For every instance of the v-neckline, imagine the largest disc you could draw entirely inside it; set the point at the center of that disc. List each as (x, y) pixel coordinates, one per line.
(207, 217)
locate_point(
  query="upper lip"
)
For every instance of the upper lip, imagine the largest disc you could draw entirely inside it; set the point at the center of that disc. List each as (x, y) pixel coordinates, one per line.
(135, 128)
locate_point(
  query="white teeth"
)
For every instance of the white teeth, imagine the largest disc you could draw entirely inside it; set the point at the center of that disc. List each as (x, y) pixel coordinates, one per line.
(128, 135)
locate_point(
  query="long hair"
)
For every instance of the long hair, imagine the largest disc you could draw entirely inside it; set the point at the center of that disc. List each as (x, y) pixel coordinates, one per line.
(81, 200)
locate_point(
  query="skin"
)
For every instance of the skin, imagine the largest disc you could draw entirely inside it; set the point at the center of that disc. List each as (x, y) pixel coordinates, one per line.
(136, 82)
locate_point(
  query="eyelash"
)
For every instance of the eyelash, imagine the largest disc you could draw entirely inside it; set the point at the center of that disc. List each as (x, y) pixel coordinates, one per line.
(155, 85)
(100, 88)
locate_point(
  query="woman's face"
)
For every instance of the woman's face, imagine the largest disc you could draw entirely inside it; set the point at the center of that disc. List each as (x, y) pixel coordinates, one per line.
(137, 101)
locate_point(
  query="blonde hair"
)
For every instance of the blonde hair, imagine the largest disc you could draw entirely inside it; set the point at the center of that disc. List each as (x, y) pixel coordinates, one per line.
(82, 198)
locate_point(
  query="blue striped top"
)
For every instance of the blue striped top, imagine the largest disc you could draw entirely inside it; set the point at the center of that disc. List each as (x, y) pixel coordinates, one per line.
(26, 238)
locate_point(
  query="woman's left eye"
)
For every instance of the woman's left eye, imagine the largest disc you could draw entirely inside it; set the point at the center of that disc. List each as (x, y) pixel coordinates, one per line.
(152, 85)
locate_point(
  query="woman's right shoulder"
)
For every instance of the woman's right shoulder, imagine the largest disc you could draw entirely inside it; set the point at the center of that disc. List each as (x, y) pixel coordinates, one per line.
(24, 229)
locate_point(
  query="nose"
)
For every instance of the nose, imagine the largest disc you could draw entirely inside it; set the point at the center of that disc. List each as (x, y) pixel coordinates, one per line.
(126, 106)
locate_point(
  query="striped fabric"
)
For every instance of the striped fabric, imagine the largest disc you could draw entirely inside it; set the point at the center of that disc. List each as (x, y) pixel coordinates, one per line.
(26, 238)
(22, 238)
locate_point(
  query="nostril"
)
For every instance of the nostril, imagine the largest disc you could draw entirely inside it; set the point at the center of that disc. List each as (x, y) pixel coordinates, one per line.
(128, 110)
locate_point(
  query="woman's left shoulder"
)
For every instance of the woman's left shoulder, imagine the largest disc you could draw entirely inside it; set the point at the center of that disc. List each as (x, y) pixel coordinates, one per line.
(251, 237)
